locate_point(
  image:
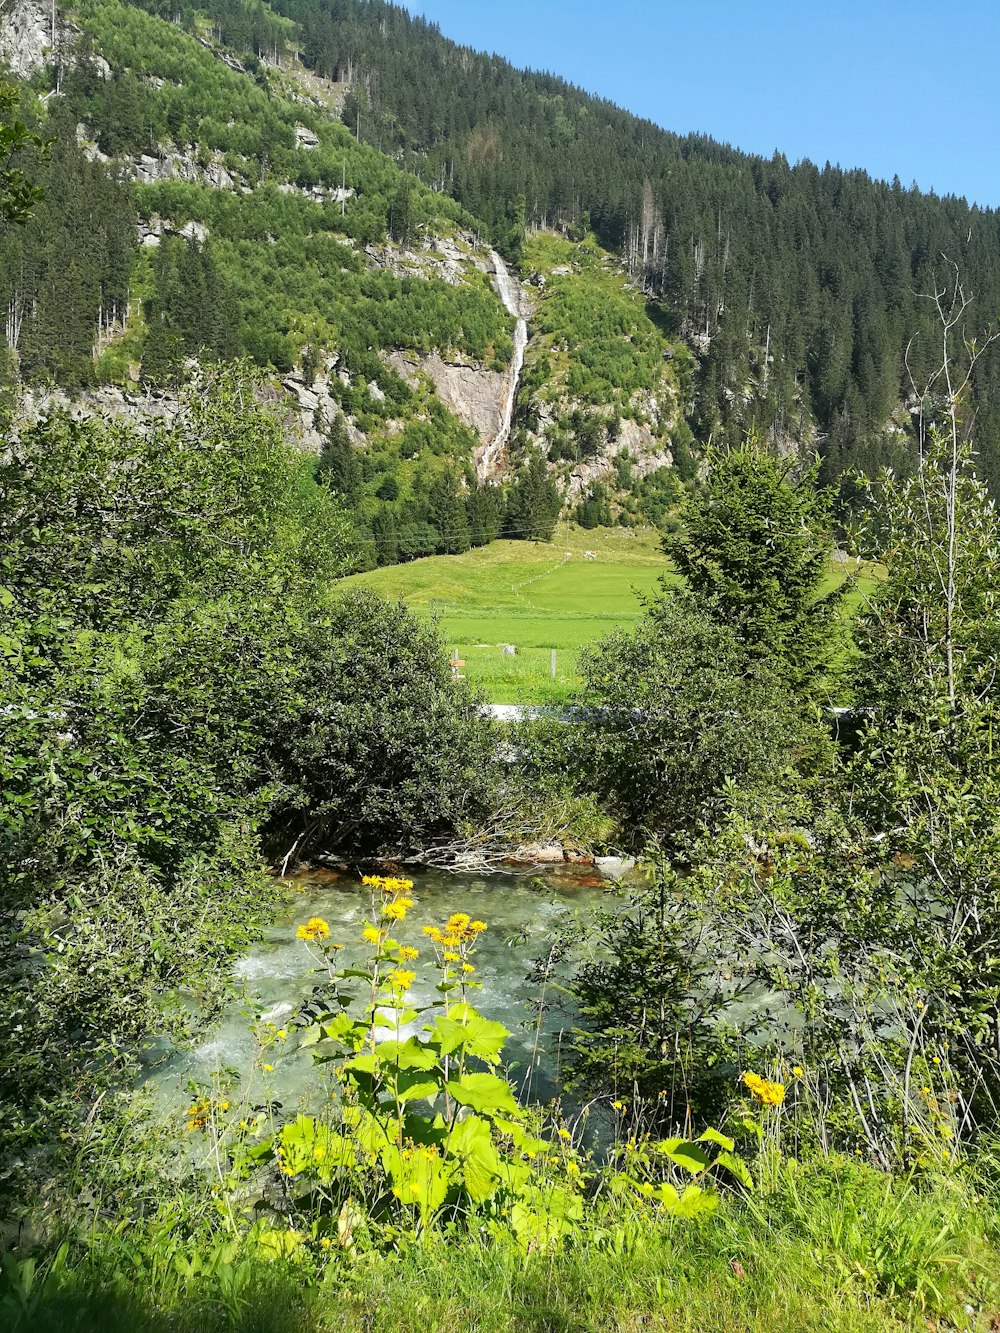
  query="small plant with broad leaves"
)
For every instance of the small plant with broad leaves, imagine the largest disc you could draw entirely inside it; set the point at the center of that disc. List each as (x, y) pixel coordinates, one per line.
(424, 1130)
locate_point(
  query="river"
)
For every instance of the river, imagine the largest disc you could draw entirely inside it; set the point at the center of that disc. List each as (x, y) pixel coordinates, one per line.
(525, 915)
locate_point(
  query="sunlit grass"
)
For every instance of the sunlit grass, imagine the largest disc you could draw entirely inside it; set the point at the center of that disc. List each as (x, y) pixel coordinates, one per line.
(540, 597)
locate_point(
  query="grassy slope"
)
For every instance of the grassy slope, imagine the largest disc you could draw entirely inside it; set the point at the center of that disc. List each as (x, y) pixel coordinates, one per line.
(529, 594)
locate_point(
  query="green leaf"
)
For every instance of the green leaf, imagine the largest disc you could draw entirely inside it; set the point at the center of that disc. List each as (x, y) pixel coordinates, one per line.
(466, 1029)
(416, 1086)
(736, 1167)
(472, 1142)
(713, 1136)
(483, 1092)
(684, 1154)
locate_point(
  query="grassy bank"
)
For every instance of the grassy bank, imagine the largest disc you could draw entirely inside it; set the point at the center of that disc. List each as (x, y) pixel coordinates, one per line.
(833, 1246)
(539, 597)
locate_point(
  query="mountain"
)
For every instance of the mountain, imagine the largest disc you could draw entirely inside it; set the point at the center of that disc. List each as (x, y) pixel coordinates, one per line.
(798, 288)
(447, 269)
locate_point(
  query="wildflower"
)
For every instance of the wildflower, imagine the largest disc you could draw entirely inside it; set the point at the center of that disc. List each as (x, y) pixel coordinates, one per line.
(797, 1071)
(468, 969)
(372, 935)
(433, 933)
(768, 1094)
(407, 955)
(281, 1034)
(325, 1243)
(450, 956)
(396, 909)
(618, 1106)
(401, 980)
(477, 927)
(314, 929)
(564, 1132)
(268, 1069)
(936, 1060)
(457, 921)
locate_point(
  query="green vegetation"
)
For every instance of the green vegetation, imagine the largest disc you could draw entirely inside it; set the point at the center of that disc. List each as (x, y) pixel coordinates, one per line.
(597, 359)
(169, 660)
(529, 595)
(593, 339)
(779, 1055)
(798, 288)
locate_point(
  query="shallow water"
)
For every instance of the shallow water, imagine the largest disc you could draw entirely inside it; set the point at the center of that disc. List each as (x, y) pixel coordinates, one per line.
(525, 914)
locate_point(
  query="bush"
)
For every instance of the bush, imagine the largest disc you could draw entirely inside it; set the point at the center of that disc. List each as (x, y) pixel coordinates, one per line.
(382, 749)
(678, 708)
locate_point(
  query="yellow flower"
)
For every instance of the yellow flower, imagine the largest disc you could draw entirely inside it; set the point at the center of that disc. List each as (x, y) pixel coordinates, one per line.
(433, 933)
(400, 979)
(396, 909)
(564, 1132)
(314, 929)
(281, 1034)
(477, 927)
(372, 935)
(407, 955)
(457, 921)
(768, 1094)
(450, 956)
(797, 1071)
(468, 969)
(387, 883)
(268, 1069)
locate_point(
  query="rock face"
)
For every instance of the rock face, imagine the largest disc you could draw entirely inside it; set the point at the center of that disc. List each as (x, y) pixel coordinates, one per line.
(28, 41)
(645, 452)
(26, 44)
(474, 394)
(168, 164)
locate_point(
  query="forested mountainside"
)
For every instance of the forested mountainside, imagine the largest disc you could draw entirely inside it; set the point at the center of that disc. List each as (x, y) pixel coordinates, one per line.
(316, 185)
(799, 288)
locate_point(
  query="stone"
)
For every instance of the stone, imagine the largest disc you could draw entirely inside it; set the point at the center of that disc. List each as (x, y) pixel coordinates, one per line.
(614, 867)
(537, 853)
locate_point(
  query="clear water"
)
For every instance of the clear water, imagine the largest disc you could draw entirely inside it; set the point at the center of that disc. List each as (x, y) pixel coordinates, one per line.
(525, 913)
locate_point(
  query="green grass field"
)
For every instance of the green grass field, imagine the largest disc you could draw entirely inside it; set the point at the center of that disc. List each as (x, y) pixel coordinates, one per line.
(537, 596)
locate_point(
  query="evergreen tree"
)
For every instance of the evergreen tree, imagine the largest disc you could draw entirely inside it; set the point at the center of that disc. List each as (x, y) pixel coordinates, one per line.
(753, 553)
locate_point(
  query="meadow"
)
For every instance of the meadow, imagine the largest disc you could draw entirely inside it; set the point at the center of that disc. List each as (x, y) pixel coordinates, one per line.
(538, 597)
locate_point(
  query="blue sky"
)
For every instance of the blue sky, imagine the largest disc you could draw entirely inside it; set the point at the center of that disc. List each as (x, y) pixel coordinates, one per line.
(909, 89)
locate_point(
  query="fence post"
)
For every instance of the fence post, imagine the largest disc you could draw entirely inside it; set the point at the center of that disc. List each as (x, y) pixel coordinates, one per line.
(552, 664)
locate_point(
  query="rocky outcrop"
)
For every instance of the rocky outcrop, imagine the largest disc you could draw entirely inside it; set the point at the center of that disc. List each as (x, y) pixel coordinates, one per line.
(27, 40)
(646, 454)
(168, 164)
(448, 258)
(474, 394)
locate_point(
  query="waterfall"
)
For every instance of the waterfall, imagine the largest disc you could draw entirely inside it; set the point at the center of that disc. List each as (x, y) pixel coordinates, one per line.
(488, 459)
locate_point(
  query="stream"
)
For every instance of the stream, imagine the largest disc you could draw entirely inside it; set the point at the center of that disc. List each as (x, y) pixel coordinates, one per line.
(524, 913)
(508, 289)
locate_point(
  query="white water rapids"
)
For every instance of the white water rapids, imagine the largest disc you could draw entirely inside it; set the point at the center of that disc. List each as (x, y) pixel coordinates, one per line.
(489, 459)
